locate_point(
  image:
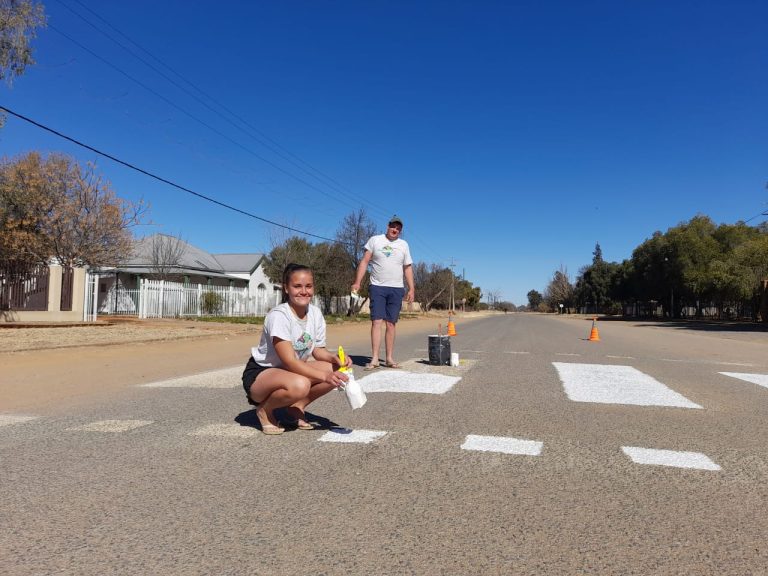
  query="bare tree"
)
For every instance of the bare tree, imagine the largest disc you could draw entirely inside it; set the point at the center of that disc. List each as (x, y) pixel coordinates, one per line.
(54, 208)
(493, 297)
(355, 230)
(166, 254)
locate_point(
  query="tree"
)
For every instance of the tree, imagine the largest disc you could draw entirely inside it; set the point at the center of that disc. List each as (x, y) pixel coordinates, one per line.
(560, 291)
(295, 250)
(352, 235)
(433, 283)
(166, 253)
(593, 284)
(54, 208)
(534, 299)
(19, 20)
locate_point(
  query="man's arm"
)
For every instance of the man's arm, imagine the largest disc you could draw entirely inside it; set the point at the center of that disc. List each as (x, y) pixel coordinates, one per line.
(361, 268)
(408, 271)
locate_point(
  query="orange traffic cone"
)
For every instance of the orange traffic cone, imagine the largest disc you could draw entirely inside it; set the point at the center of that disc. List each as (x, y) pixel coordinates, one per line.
(593, 335)
(451, 328)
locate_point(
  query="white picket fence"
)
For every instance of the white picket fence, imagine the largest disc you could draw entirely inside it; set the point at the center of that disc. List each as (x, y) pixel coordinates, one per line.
(161, 299)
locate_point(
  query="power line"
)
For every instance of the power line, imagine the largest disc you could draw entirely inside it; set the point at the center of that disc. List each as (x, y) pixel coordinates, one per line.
(259, 136)
(159, 178)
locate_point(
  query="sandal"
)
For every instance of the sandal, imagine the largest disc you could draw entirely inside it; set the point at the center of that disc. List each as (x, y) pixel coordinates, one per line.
(272, 430)
(370, 366)
(392, 365)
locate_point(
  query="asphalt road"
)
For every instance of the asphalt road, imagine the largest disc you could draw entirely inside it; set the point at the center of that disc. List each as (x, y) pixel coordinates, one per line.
(521, 466)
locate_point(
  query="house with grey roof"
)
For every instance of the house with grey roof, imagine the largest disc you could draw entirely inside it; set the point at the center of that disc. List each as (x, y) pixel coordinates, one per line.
(164, 257)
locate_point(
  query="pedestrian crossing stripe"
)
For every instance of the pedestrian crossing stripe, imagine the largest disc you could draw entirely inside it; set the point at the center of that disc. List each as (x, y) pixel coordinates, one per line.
(403, 381)
(611, 384)
(502, 444)
(225, 378)
(111, 426)
(759, 379)
(672, 458)
(352, 436)
(8, 419)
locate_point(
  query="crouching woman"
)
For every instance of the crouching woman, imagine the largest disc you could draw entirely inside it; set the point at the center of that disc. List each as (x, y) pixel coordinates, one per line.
(290, 368)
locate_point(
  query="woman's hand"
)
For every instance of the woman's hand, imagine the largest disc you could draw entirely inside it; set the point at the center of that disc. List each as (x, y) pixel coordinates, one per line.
(336, 378)
(337, 361)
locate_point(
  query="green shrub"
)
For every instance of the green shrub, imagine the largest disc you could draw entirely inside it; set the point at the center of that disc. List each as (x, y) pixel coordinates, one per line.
(211, 303)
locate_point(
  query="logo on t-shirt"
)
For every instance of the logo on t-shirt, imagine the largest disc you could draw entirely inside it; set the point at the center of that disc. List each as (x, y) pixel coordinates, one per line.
(387, 250)
(303, 346)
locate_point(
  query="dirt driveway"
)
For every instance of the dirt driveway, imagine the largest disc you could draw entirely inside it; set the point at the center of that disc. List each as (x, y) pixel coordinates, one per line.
(47, 369)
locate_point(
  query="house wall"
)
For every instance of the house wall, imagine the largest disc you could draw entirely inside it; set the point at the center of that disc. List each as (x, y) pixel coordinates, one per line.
(54, 312)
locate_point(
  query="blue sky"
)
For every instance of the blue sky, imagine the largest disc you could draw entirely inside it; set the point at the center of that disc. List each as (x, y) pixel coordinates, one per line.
(509, 136)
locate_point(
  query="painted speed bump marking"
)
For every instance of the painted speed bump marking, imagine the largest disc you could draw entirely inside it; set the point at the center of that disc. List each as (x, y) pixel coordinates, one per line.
(224, 378)
(111, 426)
(759, 379)
(609, 384)
(351, 436)
(8, 419)
(502, 444)
(671, 458)
(402, 381)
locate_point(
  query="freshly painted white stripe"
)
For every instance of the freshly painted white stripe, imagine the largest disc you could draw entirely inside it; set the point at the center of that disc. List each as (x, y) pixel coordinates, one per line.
(502, 444)
(620, 357)
(351, 436)
(608, 384)
(566, 354)
(670, 458)
(402, 381)
(759, 379)
(515, 352)
(7, 419)
(112, 425)
(224, 378)
(226, 431)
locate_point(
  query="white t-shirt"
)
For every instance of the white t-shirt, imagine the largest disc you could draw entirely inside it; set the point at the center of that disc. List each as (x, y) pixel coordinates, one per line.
(387, 260)
(305, 335)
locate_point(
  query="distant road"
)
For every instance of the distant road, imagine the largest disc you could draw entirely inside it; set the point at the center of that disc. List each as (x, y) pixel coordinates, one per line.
(542, 453)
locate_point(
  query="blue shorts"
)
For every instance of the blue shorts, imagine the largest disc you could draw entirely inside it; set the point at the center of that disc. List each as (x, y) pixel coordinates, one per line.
(386, 302)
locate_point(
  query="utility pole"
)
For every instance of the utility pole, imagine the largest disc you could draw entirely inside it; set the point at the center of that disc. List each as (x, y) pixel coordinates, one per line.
(452, 301)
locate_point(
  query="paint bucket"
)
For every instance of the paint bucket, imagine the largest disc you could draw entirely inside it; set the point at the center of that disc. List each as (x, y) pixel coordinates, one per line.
(439, 350)
(454, 358)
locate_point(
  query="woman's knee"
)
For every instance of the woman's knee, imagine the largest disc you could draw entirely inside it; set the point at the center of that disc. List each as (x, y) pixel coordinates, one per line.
(298, 386)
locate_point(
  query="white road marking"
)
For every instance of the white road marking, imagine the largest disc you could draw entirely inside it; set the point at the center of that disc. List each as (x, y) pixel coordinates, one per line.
(669, 458)
(620, 357)
(609, 384)
(111, 426)
(351, 436)
(566, 354)
(226, 431)
(759, 379)
(402, 381)
(471, 351)
(8, 419)
(735, 363)
(502, 444)
(224, 378)
(515, 352)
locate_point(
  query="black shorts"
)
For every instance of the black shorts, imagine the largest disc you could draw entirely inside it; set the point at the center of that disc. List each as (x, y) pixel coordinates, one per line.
(252, 370)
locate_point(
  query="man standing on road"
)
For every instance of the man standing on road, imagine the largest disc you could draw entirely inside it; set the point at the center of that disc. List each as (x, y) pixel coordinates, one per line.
(390, 260)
